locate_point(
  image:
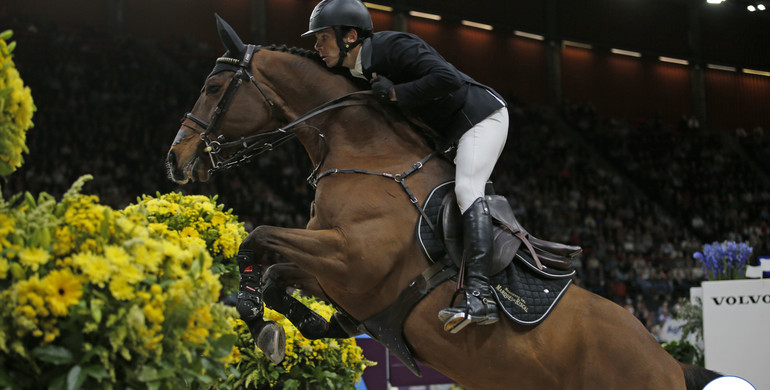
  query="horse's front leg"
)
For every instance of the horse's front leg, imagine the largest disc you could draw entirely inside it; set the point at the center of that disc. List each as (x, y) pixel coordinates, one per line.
(310, 249)
(276, 281)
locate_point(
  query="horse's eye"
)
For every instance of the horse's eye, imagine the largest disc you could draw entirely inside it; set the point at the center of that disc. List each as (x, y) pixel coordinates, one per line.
(212, 89)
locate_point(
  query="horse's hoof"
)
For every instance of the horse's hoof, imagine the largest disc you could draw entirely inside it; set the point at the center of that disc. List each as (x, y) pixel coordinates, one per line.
(272, 342)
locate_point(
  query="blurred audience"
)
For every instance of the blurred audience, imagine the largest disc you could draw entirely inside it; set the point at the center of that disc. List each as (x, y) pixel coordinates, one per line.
(640, 196)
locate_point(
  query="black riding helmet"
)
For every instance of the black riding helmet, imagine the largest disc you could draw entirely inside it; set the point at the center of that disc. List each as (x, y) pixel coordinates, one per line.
(336, 14)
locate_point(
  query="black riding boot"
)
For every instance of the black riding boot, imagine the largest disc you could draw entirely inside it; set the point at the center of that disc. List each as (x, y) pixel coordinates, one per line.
(270, 337)
(478, 305)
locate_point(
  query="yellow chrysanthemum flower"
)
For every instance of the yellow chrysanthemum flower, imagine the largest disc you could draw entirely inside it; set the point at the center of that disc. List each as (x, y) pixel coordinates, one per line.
(33, 257)
(154, 313)
(64, 290)
(64, 241)
(7, 227)
(95, 267)
(121, 289)
(117, 256)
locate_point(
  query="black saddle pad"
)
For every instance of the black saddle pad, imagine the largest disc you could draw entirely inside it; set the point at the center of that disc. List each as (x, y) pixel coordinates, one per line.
(524, 294)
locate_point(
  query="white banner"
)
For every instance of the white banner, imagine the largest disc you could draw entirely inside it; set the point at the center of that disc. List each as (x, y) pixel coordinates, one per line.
(736, 329)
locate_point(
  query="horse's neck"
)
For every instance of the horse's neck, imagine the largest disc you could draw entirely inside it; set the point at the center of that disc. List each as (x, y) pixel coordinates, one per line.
(349, 133)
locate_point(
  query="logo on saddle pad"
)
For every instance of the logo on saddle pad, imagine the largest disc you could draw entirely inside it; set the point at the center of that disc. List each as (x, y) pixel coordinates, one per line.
(512, 297)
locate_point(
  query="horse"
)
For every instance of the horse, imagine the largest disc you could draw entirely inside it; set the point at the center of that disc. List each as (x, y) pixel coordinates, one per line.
(359, 248)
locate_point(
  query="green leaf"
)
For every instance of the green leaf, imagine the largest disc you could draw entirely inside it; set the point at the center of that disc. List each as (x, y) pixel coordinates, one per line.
(195, 268)
(96, 371)
(58, 383)
(149, 374)
(291, 384)
(6, 35)
(96, 309)
(53, 354)
(75, 378)
(223, 346)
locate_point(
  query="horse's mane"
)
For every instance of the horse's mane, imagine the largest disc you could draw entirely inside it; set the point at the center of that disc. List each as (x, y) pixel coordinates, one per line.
(296, 50)
(315, 57)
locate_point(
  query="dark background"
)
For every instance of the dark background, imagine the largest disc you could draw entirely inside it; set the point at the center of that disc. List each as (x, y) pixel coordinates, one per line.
(640, 162)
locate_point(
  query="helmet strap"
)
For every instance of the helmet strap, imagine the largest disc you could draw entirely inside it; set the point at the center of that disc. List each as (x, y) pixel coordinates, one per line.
(343, 46)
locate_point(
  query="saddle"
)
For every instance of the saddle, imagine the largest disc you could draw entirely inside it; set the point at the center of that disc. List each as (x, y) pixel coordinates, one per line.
(509, 235)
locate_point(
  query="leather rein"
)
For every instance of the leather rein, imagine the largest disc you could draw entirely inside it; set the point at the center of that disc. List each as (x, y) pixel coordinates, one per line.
(254, 145)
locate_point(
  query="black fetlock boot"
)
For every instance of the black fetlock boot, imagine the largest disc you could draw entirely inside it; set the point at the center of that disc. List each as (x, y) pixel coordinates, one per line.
(478, 305)
(269, 337)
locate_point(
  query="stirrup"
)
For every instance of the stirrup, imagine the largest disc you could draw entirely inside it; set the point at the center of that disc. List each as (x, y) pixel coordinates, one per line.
(456, 319)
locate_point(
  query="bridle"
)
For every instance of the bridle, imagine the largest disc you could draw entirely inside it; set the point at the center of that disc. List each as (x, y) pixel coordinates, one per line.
(249, 147)
(254, 145)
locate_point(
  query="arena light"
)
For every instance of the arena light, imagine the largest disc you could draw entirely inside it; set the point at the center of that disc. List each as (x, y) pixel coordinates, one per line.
(482, 26)
(524, 34)
(761, 7)
(756, 72)
(626, 53)
(715, 1)
(378, 7)
(721, 67)
(674, 60)
(576, 44)
(424, 15)
(751, 7)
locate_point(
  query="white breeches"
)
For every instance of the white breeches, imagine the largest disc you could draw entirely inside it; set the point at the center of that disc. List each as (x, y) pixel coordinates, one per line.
(477, 153)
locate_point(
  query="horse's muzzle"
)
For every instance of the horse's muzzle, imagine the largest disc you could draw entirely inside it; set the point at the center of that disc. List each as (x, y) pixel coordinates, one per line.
(181, 172)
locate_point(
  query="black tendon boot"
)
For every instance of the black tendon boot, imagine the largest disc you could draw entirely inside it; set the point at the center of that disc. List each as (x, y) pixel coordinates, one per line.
(478, 305)
(270, 337)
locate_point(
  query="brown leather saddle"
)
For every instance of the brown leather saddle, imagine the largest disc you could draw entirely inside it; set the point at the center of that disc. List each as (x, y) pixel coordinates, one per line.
(508, 232)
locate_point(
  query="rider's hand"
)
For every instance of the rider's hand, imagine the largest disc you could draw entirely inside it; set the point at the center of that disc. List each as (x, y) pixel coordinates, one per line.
(382, 88)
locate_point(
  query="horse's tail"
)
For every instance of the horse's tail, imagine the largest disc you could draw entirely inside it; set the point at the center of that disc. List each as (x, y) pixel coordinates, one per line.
(696, 378)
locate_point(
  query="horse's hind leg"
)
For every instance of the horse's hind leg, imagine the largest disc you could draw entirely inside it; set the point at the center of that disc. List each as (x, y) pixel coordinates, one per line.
(311, 324)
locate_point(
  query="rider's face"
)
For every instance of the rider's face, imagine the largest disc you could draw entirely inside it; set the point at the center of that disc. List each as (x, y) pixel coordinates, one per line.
(326, 45)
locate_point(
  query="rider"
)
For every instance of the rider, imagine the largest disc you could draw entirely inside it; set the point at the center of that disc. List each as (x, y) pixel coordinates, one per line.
(405, 71)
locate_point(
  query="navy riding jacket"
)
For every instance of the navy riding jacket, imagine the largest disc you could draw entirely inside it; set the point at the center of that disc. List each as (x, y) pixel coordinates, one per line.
(427, 85)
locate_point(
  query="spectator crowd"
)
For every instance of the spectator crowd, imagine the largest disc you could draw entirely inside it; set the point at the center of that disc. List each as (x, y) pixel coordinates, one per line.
(640, 196)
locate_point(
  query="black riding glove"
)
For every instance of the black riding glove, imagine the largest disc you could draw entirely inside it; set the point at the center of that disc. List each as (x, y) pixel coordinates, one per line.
(382, 88)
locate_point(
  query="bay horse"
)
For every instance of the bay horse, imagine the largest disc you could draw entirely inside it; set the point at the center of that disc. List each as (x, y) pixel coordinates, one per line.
(359, 248)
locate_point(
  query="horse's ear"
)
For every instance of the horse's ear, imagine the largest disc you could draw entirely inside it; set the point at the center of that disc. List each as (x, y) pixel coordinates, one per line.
(229, 38)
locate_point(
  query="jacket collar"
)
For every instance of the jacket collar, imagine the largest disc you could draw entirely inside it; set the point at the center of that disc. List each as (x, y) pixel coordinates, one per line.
(366, 57)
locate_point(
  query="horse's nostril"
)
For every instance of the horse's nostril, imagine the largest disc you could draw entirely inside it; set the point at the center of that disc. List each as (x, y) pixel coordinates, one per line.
(171, 159)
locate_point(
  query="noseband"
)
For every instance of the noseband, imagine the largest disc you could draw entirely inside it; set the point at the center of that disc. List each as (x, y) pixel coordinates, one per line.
(251, 146)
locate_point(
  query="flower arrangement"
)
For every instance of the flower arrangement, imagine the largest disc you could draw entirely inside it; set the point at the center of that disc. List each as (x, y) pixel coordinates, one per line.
(117, 299)
(16, 108)
(98, 298)
(724, 261)
(309, 364)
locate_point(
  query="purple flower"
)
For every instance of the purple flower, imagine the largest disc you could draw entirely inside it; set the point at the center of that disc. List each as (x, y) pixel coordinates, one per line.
(725, 260)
